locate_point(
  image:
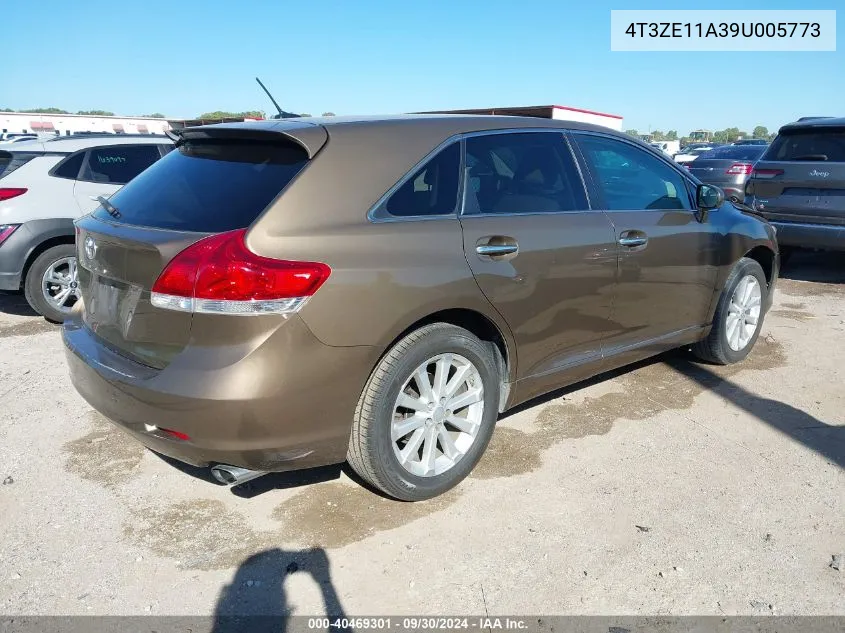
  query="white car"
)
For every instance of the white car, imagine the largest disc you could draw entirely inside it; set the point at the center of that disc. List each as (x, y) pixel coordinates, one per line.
(689, 154)
(44, 186)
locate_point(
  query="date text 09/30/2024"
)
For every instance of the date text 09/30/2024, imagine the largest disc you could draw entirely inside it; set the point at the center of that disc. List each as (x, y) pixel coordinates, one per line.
(418, 623)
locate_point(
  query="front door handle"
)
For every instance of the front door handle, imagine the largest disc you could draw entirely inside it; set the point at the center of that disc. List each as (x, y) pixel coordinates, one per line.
(496, 248)
(632, 239)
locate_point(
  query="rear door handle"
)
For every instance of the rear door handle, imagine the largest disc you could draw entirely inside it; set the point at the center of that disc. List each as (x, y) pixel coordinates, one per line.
(491, 250)
(632, 239)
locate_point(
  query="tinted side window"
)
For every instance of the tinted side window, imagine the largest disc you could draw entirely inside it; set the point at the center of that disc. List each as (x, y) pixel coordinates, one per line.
(10, 162)
(809, 145)
(70, 167)
(431, 190)
(529, 172)
(630, 178)
(119, 164)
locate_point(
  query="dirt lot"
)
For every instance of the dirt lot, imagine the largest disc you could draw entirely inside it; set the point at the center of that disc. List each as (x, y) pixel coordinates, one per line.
(668, 488)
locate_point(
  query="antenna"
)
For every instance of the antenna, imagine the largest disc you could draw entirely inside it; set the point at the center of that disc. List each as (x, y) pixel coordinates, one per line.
(282, 114)
(264, 88)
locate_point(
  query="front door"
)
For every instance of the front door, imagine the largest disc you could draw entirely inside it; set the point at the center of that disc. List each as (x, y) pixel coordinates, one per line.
(543, 259)
(666, 249)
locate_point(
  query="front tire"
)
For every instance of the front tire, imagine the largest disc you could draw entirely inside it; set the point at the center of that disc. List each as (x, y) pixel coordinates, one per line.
(51, 284)
(739, 315)
(426, 414)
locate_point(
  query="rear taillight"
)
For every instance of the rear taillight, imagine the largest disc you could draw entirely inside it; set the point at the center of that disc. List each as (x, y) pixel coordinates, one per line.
(740, 169)
(766, 173)
(220, 275)
(7, 193)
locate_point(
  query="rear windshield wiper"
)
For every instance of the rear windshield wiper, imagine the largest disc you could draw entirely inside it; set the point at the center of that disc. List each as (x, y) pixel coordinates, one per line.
(818, 157)
(108, 206)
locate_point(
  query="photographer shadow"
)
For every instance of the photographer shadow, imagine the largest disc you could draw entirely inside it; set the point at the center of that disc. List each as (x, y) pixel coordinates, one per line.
(256, 600)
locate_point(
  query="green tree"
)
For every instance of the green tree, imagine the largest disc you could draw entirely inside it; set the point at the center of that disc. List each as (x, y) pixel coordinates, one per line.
(328, 114)
(96, 112)
(220, 114)
(657, 135)
(46, 111)
(154, 115)
(633, 133)
(6, 110)
(672, 135)
(761, 131)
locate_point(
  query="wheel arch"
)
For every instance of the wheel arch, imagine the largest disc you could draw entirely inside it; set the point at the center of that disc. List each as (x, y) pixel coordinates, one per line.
(46, 234)
(485, 329)
(764, 256)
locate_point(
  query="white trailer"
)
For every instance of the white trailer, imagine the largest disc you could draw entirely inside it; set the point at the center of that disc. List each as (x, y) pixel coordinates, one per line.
(69, 124)
(559, 112)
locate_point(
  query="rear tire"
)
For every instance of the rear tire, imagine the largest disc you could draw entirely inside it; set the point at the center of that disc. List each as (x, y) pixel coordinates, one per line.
(732, 335)
(394, 463)
(33, 284)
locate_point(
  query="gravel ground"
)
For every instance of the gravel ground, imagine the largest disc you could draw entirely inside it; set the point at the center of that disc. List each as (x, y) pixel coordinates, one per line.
(667, 488)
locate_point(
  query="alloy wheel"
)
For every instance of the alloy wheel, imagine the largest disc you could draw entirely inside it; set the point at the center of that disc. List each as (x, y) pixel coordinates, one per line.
(60, 284)
(437, 415)
(743, 312)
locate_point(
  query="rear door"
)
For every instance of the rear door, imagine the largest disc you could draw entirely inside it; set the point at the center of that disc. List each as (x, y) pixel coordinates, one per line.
(543, 259)
(801, 178)
(203, 187)
(667, 257)
(104, 170)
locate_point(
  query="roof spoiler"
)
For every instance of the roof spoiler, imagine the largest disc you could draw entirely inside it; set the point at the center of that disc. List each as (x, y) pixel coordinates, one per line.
(308, 136)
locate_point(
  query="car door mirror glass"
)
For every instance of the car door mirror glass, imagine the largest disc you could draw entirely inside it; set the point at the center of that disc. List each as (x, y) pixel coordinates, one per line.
(709, 197)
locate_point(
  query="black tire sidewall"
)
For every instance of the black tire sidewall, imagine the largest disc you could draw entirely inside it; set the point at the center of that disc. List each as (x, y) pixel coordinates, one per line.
(743, 268)
(454, 340)
(34, 276)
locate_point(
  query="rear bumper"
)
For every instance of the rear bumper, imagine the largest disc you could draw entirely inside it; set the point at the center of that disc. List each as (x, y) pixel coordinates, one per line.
(10, 281)
(256, 412)
(821, 236)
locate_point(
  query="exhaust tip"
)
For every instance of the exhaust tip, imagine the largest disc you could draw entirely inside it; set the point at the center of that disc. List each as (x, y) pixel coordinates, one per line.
(221, 474)
(234, 475)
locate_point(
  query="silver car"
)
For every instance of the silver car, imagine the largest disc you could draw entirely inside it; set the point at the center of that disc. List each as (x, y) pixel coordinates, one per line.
(727, 167)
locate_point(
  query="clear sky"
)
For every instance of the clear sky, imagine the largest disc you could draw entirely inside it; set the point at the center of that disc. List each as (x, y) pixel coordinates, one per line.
(184, 57)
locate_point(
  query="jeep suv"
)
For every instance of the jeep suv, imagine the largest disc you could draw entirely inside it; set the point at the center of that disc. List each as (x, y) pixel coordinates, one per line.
(44, 186)
(799, 184)
(286, 294)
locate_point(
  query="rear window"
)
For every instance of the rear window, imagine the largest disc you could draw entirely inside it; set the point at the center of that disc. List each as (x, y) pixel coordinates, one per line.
(738, 152)
(809, 145)
(10, 161)
(208, 186)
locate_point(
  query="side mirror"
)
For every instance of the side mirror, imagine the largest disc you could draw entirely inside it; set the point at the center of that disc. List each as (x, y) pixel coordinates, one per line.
(709, 197)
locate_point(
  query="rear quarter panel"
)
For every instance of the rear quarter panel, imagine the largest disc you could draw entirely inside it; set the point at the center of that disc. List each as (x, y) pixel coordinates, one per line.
(47, 197)
(385, 277)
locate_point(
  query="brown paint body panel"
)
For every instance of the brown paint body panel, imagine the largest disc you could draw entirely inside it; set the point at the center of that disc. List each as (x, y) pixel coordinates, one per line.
(252, 401)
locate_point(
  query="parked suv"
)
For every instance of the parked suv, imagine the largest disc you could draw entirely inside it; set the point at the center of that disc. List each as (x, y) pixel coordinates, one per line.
(286, 294)
(43, 187)
(799, 184)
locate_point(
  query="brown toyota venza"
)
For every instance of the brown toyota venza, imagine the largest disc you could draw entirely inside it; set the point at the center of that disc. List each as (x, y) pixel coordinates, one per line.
(286, 294)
